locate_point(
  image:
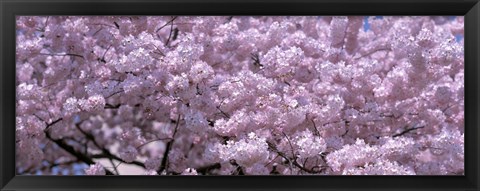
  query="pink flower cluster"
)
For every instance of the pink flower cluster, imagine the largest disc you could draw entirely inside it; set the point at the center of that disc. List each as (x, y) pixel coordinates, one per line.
(240, 95)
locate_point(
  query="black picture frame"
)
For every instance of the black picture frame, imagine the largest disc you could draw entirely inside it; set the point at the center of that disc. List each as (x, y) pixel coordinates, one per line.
(10, 8)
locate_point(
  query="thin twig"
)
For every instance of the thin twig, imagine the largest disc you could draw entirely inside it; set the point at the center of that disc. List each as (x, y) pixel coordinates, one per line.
(151, 141)
(120, 91)
(206, 169)
(225, 114)
(110, 106)
(315, 127)
(407, 130)
(374, 51)
(294, 162)
(66, 54)
(62, 144)
(106, 152)
(105, 53)
(171, 21)
(290, 143)
(114, 167)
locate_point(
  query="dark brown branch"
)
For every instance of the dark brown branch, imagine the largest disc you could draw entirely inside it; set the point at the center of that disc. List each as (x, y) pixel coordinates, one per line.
(105, 152)
(159, 51)
(211, 123)
(206, 169)
(95, 33)
(76, 55)
(256, 59)
(171, 21)
(52, 123)
(407, 130)
(390, 115)
(170, 34)
(114, 94)
(62, 144)
(221, 111)
(164, 164)
(291, 146)
(175, 34)
(111, 156)
(229, 19)
(67, 54)
(110, 106)
(294, 162)
(116, 24)
(113, 166)
(198, 90)
(105, 53)
(102, 24)
(272, 160)
(315, 127)
(38, 117)
(44, 26)
(238, 170)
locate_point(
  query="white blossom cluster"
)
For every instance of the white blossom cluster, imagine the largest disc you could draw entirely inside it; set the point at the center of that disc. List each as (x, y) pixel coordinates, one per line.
(93, 103)
(95, 169)
(247, 151)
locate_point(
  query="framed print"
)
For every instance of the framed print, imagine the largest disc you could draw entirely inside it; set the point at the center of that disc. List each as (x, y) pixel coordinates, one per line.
(250, 95)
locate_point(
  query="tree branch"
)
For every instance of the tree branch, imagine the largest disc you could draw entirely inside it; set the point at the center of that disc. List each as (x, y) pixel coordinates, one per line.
(164, 164)
(407, 130)
(206, 169)
(294, 162)
(106, 152)
(62, 144)
(171, 31)
(171, 21)
(110, 106)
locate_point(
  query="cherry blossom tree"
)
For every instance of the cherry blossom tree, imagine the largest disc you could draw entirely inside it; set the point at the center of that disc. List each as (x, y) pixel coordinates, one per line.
(238, 95)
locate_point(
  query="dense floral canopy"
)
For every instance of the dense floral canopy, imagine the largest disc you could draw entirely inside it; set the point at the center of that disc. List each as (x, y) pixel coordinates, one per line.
(240, 95)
